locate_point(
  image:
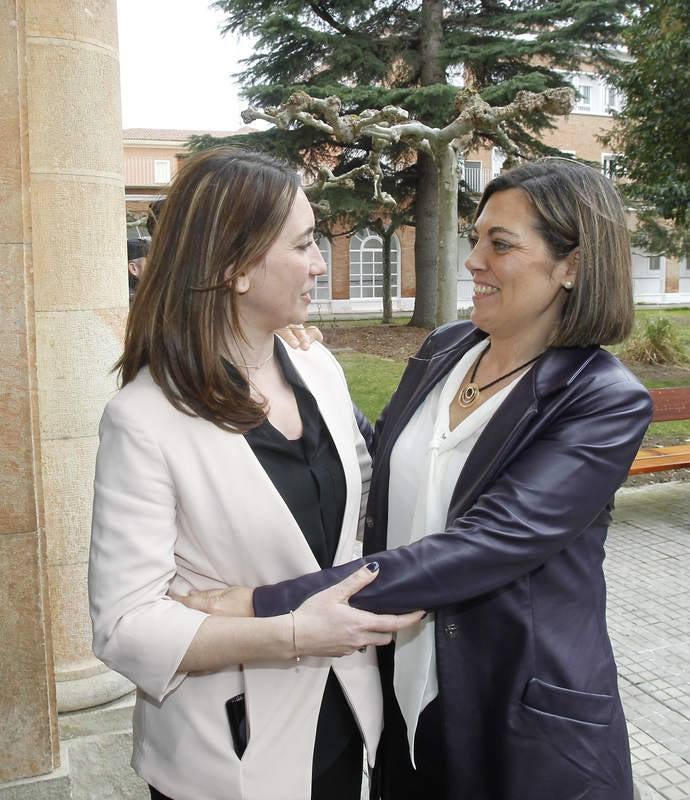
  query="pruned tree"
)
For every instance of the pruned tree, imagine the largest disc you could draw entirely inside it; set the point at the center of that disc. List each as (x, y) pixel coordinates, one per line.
(474, 121)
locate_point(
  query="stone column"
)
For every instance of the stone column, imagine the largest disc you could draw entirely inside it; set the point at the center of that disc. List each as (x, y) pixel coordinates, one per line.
(28, 731)
(80, 292)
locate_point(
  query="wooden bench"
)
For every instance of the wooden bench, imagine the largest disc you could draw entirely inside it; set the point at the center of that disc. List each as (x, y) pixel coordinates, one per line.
(669, 405)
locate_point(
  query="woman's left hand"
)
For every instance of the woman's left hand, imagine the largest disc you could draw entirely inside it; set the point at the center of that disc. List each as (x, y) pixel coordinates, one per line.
(233, 601)
(299, 337)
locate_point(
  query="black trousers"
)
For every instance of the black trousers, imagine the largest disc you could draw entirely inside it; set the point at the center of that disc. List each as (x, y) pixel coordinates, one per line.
(337, 765)
(395, 777)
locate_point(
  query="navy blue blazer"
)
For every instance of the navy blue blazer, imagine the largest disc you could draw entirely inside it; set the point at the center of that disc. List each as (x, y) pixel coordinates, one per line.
(527, 681)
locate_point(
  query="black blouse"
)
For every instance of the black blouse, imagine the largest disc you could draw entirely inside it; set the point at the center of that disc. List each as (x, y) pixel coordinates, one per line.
(309, 476)
(306, 472)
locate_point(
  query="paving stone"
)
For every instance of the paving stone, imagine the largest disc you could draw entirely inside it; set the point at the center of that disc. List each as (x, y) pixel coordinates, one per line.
(647, 569)
(674, 793)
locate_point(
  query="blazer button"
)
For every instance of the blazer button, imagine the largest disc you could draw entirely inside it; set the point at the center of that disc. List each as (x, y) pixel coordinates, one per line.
(451, 631)
(369, 521)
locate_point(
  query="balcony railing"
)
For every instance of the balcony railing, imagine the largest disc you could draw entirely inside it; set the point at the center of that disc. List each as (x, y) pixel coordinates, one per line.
(476, 176)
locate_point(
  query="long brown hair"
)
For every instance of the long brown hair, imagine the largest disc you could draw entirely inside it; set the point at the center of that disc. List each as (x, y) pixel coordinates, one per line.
(225, 208)
(578, 207)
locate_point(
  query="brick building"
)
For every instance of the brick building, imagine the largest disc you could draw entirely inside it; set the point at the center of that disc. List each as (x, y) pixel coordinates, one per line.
(354, 279)
(151, 158)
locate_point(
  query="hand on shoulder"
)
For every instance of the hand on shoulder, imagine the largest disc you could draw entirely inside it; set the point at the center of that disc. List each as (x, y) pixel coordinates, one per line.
(300, 337)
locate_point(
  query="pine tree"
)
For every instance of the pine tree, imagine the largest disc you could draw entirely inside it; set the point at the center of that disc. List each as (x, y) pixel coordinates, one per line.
(414, 55)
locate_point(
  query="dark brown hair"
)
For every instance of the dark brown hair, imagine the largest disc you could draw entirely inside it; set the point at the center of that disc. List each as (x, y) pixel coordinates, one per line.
(225, 208)
(577, 207)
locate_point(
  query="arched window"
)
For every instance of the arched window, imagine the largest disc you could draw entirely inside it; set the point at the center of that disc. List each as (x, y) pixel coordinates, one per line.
(366, 265)
(322, 287)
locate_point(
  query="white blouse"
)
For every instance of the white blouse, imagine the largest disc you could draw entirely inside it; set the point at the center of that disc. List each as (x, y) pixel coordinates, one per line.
(426, 462)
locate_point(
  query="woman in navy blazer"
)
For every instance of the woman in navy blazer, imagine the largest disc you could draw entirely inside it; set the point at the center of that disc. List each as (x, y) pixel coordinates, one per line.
(515, 692)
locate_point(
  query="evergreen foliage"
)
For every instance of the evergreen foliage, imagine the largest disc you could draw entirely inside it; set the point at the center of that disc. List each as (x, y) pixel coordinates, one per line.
(652, 132)
(415, 55)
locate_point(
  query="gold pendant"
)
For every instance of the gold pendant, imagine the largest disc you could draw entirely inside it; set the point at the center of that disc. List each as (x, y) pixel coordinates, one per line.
(468, 395)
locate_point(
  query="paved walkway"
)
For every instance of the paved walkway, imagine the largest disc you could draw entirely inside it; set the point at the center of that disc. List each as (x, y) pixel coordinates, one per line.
(648, 576)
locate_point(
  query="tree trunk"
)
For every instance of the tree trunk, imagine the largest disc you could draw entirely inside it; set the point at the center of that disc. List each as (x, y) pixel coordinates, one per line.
(387, 237)
(426, 243)
(447, 309)
(431, 69)
(426, 203)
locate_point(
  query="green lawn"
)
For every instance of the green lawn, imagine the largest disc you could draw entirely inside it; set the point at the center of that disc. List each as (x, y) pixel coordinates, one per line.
(679, 316)
(668, 432)
(371, 379)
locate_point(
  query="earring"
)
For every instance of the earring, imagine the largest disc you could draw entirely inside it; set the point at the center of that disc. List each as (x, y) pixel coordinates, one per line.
(568, 285)
(241, 284)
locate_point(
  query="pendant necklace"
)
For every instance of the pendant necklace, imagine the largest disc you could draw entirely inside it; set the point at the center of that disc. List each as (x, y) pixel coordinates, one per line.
(470, 394)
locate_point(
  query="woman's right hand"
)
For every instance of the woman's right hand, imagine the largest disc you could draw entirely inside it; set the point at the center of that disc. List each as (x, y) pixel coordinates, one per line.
(326, 625)
(300, 338)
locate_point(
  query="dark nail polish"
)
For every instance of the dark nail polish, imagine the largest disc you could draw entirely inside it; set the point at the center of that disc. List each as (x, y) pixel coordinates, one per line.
(373, 566)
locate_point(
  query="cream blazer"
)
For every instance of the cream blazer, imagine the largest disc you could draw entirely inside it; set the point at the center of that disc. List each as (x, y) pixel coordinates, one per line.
(181, 504)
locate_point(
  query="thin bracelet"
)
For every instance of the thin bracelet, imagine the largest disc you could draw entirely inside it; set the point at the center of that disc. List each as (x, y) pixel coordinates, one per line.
(294, 637)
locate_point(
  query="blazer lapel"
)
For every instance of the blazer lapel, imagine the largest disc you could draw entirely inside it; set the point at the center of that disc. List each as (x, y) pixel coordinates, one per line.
(505, 431)
(494, 443)
(341, 426)
(422, 374)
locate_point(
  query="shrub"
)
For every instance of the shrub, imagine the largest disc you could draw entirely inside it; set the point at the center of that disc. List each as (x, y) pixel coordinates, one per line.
(655, 341)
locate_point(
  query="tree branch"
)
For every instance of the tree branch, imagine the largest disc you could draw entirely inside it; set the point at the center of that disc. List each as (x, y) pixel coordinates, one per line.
(322, 13)
(477, 116)
(475, 119)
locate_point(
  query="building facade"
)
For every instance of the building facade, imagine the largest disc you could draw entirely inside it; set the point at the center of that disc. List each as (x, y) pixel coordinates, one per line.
(151, 159)
(353, 283)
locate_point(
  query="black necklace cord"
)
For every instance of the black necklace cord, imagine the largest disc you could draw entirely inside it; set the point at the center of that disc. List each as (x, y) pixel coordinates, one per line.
(470, 394)
(507, 374)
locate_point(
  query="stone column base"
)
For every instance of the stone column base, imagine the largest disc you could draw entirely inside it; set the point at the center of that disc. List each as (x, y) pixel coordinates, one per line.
(95, 689)
(54, 786)
(95, 751)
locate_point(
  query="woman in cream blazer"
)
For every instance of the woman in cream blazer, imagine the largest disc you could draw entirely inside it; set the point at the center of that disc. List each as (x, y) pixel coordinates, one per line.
(183, 504)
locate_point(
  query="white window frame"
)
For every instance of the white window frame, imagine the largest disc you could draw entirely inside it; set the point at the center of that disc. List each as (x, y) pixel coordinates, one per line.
(606, 161)
(322, 286)
(612, 98)
(162, 170)
(598, 89)
(476, 170)
(657, 259)
(585, 96)
(498, 158)
(366, 250)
